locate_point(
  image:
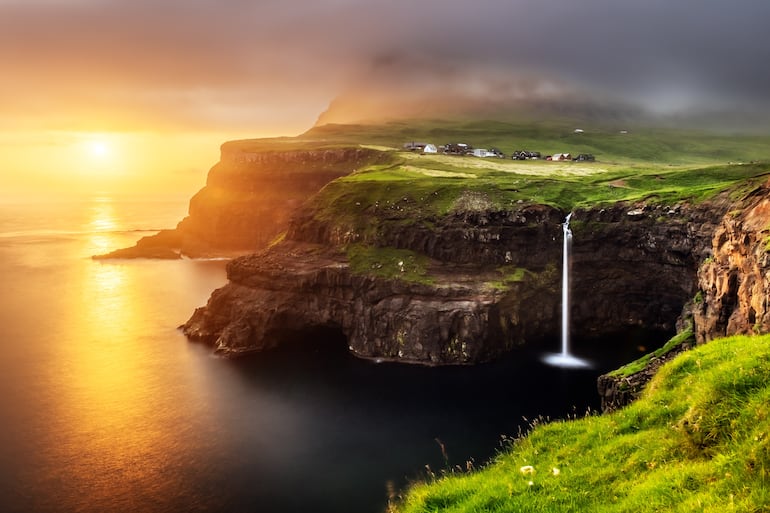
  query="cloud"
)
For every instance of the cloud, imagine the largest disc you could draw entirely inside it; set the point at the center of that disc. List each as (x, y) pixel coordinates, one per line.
(244, 64)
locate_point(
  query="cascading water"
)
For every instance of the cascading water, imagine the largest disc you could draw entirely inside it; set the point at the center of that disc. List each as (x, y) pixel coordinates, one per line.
(565, 359)
(567, 246)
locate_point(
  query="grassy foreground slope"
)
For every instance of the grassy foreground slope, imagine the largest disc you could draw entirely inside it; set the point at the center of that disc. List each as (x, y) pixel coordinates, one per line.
(698, 440)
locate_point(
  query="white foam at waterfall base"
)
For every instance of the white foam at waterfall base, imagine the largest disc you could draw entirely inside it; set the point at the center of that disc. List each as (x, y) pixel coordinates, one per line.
(565, 360)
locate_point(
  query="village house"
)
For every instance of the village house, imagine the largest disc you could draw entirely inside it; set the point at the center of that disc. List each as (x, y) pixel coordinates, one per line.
(494, 152)
(458, 149)
(415, 146)
(525, 155)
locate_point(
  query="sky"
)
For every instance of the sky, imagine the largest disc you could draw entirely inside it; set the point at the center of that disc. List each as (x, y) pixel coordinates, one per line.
(135, 95)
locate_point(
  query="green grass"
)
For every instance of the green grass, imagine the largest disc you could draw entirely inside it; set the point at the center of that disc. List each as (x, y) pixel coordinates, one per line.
(697, 440)
(677, 340)
(656, 145)
(509, 274)
(432, 186)
(388, 263)
(645, 144)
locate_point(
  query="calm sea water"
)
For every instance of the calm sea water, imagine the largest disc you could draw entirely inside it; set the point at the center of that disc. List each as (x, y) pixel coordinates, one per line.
(107, 408)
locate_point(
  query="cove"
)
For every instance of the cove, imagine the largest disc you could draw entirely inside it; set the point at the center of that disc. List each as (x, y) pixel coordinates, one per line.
(317, 428)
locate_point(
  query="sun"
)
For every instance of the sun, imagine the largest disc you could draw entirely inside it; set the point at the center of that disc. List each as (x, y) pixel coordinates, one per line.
(98, 155)
(98, 148)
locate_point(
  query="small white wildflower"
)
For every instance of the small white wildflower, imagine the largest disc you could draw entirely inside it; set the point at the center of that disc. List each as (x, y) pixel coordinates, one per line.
(527, 469)
(555, 471)
(531, 483)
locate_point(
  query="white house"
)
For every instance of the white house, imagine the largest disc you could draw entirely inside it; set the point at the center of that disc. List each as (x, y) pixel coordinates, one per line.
(481, 152)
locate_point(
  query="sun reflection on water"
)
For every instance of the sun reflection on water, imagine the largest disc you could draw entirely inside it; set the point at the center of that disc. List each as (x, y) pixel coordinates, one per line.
(106, 405)
(102, 226)
(103, 217)
(114, 415)
(114, 418)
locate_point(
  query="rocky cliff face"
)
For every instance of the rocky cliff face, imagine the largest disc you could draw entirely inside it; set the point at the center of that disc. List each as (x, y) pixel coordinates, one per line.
(733, 286)
(735, 282)
(304, 287)
(633, 265)
(248, 200)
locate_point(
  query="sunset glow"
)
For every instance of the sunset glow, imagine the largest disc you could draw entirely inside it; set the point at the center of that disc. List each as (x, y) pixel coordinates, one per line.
(70, 162)
(137, 96)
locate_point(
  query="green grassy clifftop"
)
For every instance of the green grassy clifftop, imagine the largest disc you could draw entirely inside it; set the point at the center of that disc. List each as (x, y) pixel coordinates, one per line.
(662, 166)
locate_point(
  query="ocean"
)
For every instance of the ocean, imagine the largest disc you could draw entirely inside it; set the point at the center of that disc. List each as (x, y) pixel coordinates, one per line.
(106, 407)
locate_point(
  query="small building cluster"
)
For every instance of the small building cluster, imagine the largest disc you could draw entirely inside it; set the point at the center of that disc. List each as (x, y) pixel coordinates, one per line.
(461, 149)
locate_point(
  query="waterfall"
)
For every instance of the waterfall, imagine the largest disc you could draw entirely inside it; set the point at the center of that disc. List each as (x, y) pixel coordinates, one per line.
(565, 359)
(566, 247)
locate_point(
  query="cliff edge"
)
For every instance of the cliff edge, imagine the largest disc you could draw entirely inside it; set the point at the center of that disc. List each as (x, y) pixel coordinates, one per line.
(248, 199)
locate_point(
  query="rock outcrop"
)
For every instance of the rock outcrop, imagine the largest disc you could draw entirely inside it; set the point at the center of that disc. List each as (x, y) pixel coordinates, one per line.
(620, 388)
(734, 282)
(492, 277)
(249, 197)
(635, 265)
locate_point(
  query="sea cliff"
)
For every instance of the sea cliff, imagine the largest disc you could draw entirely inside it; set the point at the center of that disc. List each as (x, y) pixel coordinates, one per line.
(248, 199)
(464, 286)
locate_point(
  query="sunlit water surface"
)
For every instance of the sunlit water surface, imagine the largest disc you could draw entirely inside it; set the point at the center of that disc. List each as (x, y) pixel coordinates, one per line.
(106, 407)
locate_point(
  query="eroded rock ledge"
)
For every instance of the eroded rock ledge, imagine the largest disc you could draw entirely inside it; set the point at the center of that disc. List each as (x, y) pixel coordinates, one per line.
(308, 286)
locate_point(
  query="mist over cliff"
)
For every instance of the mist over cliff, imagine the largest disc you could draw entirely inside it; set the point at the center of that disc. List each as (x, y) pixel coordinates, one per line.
(401, 86)
(406, 88)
